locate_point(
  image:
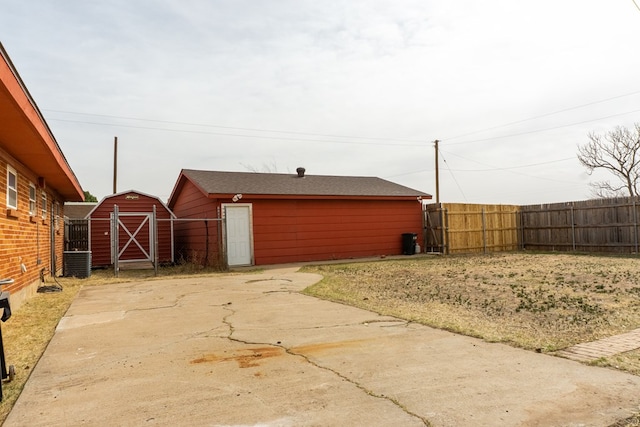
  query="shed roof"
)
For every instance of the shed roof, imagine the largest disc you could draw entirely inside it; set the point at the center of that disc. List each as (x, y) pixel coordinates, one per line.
(25, 135)
(129, 195)
(277, 184)
(78, 210)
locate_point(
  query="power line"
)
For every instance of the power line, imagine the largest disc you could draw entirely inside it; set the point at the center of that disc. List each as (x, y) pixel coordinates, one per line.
(482, 170)
(545, 129)
(409, 173)
(494, 168)
(279, 138)
(544, 115)
(363, 140)
(219, 127)
(401, 141)
(454, 177)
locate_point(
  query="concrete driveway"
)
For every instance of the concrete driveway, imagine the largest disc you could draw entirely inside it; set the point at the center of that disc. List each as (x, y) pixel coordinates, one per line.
(249, 350)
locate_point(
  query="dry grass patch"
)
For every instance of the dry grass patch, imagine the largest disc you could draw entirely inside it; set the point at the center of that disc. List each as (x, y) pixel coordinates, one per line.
(633, 421)
(544, 302)
(630, 361)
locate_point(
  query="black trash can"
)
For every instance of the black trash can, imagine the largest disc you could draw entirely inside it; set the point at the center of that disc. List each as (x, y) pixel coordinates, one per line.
(409, 243)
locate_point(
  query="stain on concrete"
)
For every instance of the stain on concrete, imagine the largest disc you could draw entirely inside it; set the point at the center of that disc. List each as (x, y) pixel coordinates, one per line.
(245, 358)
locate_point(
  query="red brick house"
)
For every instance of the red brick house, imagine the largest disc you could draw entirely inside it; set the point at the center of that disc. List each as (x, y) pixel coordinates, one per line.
(35, 181)
(283, 218)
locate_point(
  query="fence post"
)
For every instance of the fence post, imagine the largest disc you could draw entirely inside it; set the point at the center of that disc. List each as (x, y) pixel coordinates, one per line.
(206, 243)
(520, 224)
(549, 232)
(116, 243)
(155, 240)
(573, 230)
(441, 221)
(484, 231)
(424, 227)
(445, 232)
(440, 211)
(222, 236)
(635, 225)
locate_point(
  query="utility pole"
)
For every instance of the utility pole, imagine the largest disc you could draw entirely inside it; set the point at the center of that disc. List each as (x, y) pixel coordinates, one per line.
(115, 164)
(437, 173)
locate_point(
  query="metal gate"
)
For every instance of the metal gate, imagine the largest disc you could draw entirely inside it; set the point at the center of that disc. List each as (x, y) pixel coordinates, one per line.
(133, 237)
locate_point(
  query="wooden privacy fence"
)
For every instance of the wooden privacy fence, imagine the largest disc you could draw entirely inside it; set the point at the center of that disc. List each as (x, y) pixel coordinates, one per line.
(463, 228)
(76, 235)
(599, 225)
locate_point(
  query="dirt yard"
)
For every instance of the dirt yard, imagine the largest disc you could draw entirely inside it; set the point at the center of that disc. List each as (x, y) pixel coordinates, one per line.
(542, 302)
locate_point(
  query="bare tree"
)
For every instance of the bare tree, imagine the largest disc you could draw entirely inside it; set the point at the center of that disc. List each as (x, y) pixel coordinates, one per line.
(266, 167)
(618, 152)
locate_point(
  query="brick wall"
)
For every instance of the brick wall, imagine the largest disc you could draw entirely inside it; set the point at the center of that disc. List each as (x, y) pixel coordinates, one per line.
(26, 240)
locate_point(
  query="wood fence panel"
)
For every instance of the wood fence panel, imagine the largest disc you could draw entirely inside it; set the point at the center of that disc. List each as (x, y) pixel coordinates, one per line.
(502, 227)
(468, 228)
(76, 235)
(600, 225)
(547, 227)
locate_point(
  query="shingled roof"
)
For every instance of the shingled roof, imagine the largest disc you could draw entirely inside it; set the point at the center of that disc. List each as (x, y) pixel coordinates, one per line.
(78, 210)
(250, 183)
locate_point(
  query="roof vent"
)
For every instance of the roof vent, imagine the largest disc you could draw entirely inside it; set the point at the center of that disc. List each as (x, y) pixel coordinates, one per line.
(300, 172)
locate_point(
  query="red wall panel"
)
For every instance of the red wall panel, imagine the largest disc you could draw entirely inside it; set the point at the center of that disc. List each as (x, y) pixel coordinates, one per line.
(313, 230)
(196, 239)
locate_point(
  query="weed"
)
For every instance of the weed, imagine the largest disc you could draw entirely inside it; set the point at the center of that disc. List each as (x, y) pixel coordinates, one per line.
(534, 301)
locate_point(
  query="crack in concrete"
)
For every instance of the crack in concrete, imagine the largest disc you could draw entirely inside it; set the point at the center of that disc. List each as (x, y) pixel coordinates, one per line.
(279, 291)
(271, 279)
(176, 302)
(392, 322)
(158, 307)
(361, 387)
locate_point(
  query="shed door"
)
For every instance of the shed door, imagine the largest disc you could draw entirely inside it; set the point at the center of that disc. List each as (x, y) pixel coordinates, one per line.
(238, 234)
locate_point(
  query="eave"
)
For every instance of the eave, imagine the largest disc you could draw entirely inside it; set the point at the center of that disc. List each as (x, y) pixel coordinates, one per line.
(25, 135)
(317, 197)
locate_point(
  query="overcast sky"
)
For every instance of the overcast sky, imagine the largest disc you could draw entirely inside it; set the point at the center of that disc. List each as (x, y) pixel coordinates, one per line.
(353, 87)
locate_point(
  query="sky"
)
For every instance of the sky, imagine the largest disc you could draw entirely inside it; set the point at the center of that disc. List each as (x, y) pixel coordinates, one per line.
(353, 88)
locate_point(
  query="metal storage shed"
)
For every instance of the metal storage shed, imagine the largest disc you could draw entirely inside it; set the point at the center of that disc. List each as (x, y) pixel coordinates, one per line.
(144, 226)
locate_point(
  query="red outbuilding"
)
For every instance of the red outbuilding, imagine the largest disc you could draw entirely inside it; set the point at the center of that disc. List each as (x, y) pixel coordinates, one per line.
(144, 230)
(243, 218)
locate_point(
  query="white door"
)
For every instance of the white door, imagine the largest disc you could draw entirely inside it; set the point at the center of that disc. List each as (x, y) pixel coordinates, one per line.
(238, 234)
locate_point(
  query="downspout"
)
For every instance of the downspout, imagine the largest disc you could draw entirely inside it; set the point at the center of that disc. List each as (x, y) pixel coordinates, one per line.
(52, 240)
